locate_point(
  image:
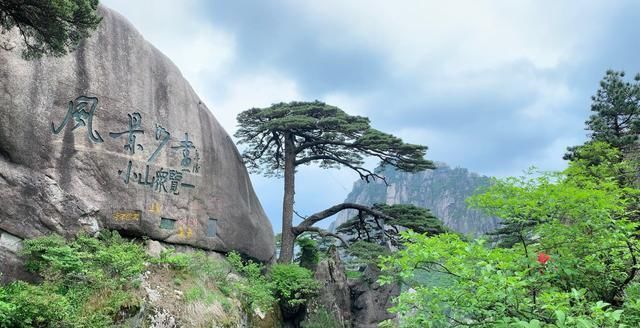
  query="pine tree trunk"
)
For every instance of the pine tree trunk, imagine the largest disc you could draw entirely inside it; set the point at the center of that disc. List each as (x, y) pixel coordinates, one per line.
(288, 238)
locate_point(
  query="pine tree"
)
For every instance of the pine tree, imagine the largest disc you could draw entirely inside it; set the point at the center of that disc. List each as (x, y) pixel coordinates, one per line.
(49, 27)
(616, 117)
(284, 136)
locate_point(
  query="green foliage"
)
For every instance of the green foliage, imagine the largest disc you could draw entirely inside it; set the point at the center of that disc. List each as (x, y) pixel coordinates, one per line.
(309, 253)
(85, 259)
(87, 283)
(293, 285)
(579, 218)
(597, 182)
(34, 306)
(362, 253)
(528, 290)
(209, 270)
(257, 291)
(616, 117)
(321, 133)
(320, 318)
(322, 245)
(49, 27)
(369, 236)
(412, 217)
(176, 261)
(206, 295)
(377, 230)
(7, 308)
(353, 274)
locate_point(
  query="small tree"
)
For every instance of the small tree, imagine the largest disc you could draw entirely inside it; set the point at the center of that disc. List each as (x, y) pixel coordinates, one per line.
(287, 135)
(49, 27)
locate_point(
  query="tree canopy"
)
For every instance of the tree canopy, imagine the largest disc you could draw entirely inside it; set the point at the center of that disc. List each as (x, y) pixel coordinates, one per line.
(370, 236)
(49, 27)
(322, 134)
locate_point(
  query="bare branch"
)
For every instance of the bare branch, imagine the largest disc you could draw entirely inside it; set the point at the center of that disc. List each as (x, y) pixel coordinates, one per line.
(317, 217)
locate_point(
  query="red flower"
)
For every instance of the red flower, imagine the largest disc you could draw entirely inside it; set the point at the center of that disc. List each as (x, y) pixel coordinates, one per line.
(543, 258)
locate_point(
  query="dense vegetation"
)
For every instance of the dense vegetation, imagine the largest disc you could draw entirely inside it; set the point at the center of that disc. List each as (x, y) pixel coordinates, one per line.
(96, 282)
(86, 282)
(567, 253)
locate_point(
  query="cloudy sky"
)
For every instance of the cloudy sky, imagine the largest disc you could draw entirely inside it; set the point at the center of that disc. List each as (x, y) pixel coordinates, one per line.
(493, 86)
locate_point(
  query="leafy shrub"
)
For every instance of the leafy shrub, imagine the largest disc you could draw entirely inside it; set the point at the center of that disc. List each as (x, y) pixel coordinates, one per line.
(309, 253)
(84, 259)
(293, 285)
(257, 291)
(34, 306)
(7, 308)
(176, 261)
(51, 256)
(86, 283)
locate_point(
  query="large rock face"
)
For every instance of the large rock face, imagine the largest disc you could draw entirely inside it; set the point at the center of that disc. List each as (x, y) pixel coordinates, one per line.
(112, 136)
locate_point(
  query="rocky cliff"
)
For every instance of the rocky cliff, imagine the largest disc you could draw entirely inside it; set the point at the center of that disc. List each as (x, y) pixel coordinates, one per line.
(442, 190)
(112, 136)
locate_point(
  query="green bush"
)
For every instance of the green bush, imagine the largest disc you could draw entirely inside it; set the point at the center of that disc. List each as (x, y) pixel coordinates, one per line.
(52, 256)
(85, 259)
(176, 261)
(256, 291)
(34, 306)
(86, 283)
(293, 285)
(309, 253)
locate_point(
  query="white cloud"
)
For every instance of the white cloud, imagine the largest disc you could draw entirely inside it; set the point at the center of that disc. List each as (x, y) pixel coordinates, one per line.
(463, 36)
(242, 93)
(464, 48)
(352, 104)
(550, 103)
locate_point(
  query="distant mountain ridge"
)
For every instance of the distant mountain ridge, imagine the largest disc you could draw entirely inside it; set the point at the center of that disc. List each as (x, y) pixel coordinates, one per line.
(442, 190)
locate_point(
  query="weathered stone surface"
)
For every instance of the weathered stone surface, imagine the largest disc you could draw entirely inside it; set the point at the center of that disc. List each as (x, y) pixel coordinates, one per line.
(154, 248)
(334, 293)
(370, 300)
(11, 263)
(66, 165)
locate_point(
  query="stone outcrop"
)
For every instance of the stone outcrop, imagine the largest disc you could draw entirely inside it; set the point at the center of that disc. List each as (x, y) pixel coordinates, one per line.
(334, 295)
(12, 264)
(442, 190)
(370, 300)
(112, 136)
